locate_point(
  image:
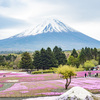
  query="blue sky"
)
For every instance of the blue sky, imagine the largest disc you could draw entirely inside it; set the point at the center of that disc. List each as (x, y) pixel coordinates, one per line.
(17, 15)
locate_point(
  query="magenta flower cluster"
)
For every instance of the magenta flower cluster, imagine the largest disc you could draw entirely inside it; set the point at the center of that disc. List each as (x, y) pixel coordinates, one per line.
(1, 85)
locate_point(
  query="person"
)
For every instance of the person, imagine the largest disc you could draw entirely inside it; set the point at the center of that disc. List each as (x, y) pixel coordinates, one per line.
(4, 75)
(89, 73)
(96, 74)
(76, 76)
(85, 74)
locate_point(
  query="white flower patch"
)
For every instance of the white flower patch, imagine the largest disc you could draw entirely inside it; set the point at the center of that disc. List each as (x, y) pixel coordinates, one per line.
(12, 80)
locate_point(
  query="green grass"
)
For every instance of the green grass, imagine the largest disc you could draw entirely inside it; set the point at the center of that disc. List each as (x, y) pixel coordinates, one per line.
(6, 85)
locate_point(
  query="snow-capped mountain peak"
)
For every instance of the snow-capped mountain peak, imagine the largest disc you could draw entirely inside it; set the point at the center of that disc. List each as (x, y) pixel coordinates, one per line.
(48, 25)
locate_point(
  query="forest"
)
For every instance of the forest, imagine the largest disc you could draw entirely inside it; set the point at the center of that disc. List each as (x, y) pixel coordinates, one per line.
(84, 59)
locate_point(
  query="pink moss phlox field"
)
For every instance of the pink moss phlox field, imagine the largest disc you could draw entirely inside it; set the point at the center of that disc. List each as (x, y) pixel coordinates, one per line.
(82, 73)
(87, 83)
(44, 84)
(23, 77)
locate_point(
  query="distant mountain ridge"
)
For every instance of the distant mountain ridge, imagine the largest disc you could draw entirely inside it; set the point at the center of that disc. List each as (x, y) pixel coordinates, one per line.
(49, 33)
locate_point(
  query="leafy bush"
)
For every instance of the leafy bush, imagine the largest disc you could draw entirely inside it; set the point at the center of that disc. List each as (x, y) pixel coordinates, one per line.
(5, 67)
(80, 68)
(88, 64)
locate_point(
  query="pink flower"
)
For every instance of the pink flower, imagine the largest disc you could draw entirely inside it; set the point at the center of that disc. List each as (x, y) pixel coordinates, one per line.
(1, 85)
(24, 91)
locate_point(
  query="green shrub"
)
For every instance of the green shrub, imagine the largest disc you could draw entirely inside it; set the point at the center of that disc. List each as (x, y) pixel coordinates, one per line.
(43, 71)
(80, 68)
(5, 67)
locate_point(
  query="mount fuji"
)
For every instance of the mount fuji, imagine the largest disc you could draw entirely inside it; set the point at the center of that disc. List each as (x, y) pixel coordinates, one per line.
(49, 33)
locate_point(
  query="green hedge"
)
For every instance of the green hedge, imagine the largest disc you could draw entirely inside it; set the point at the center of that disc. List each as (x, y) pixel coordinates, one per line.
(5, 68)
(79, 69)
(43, 71)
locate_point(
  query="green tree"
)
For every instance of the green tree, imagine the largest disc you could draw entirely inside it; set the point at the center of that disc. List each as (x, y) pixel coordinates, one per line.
(99, 57)
(43, 57)
(26, 61)
(88, 53)
(88, 64)
(74, 53)
(60, 56)
(92, 51)
(1, 59)
(37, 60)
(67, 72)
(95, 53)
(82, 56)
(51, 60)
(94, 62)
(73, 61)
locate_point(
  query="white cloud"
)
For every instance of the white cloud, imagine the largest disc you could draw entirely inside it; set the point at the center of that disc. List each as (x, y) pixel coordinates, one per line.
(89, 28)
(5, 33)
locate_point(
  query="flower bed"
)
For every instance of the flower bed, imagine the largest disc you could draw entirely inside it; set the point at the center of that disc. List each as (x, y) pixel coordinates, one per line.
(31, 88)
(43, 84)
(28, 77)
(44, 88)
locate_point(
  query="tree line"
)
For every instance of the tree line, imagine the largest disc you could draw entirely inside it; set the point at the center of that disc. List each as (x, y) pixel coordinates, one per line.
(90, 56)
(47, 58)
(44, 59)
(7, 59)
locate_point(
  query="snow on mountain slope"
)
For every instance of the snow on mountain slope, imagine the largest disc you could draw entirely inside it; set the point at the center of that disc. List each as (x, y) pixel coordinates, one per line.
(48, 25)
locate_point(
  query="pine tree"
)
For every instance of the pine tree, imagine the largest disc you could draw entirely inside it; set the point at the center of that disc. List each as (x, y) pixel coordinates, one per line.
(99, 57)
(95, 53)
(51, 60)
(74, 53)
(92, 51)
(88, 53)
(60, 56)
(26, 61)
(43, 57)
(82, 56)
(37, 60)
